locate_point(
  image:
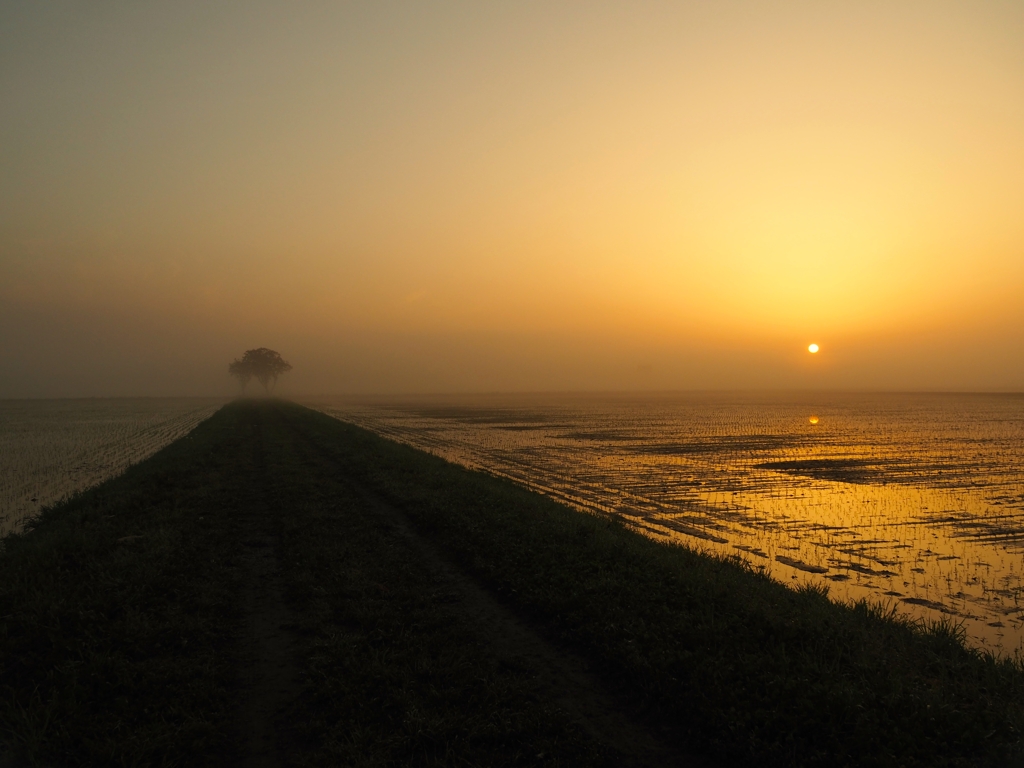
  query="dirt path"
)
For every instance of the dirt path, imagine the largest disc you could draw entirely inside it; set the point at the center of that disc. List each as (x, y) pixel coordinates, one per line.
(564, 678)
(270, 672)
(271, 676)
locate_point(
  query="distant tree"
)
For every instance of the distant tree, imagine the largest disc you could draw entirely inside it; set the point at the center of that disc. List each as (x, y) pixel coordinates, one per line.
(265, 364)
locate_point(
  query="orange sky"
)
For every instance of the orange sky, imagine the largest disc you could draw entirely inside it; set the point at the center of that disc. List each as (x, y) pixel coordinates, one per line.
(518, 196)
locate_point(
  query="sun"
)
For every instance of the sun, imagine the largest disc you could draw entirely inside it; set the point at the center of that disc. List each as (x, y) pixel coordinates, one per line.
(813, 419)
(813, 349)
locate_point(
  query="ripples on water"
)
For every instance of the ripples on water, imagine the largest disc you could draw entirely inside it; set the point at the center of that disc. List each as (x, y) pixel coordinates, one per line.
(50, 449)
(917, 499)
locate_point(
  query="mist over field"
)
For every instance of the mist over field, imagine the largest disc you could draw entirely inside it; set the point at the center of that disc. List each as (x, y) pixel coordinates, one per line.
(457, 198)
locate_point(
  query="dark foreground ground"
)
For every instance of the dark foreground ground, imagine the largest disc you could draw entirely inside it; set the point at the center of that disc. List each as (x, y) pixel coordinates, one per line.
(281, 589)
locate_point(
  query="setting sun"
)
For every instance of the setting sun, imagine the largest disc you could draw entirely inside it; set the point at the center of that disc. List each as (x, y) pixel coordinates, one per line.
(813, 419)
(813, 349)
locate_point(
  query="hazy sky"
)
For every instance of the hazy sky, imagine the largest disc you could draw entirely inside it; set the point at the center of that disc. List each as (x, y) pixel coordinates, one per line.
(511, 196)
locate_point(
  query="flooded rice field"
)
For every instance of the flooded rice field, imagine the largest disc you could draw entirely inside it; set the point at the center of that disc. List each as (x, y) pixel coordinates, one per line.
(913, 499)
(50, 449)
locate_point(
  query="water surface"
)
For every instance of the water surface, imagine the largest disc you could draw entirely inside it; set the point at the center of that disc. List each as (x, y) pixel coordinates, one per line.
(913, 499)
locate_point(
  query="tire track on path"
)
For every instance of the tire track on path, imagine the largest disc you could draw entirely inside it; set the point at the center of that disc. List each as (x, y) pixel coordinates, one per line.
(562, 677)
(270, 674)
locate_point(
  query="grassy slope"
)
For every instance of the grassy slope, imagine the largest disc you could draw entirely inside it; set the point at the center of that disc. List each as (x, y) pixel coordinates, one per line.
(124, 651)
(120, 624)
(398, 675)
(118, 613)
(722, 656)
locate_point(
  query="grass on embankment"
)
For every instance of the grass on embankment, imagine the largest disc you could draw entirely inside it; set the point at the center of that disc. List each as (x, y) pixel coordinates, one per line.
(398, 673)
(125, 651)
(724, 657)
(122, 615)
(118, 613)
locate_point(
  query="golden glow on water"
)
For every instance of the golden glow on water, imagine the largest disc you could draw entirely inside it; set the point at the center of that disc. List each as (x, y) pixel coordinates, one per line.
(813, 419)
(915, 500)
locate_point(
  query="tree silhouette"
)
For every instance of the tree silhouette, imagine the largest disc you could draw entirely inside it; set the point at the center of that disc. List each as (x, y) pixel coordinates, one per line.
(265, 364)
